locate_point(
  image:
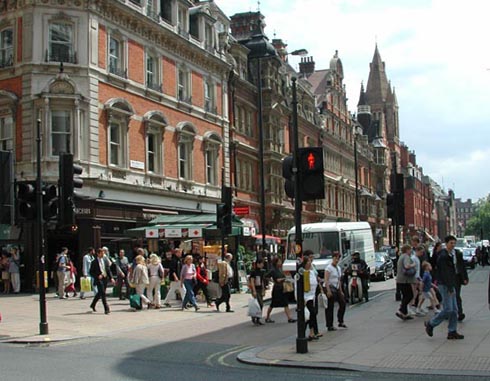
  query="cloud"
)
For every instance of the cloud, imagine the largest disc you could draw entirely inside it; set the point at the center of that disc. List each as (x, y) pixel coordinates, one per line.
(436, 54)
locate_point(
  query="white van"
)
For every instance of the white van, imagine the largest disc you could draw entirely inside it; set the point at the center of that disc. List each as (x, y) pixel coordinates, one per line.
(325, 238)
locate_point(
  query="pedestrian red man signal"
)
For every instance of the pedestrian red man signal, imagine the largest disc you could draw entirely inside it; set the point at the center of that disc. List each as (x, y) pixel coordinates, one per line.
(311, 173)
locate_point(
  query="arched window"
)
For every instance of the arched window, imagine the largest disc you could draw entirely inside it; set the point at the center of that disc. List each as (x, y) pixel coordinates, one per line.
(119, 112)
(186, 134)
(155, 123)
(212, 145)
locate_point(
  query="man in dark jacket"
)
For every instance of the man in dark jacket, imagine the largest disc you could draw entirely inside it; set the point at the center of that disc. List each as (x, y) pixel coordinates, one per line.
(461, 280)
(100, 271)
(447, 277)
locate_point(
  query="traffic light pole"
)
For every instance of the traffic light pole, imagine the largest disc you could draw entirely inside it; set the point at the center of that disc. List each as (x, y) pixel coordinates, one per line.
(43, 324)
(301, 341)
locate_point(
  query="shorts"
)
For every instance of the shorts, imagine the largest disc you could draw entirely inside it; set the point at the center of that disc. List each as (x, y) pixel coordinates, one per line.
(427, 295)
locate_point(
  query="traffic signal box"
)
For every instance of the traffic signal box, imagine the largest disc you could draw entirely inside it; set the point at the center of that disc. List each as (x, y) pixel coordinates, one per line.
(395, 201)
(224, 211)
(310, 165)
(287, 173)
(68, 182)
(27, 201)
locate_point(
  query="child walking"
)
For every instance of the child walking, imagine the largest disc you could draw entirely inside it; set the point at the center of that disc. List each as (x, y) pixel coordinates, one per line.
(427, 289)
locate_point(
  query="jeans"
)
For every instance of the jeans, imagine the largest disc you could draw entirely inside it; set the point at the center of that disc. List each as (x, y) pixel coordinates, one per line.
(189, 293)
(449, 310)
(174, 287)
(336, 297)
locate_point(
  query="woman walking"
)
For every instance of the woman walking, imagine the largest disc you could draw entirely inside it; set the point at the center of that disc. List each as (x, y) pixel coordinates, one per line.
(14, 268)
(141, 280)
(202, 281)
(156, 273)
(405, 277)
(279, 297)
(309, 287)
(187, 278)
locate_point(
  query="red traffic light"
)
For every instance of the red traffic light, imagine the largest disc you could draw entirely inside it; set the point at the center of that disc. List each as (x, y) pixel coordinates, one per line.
(311, 159)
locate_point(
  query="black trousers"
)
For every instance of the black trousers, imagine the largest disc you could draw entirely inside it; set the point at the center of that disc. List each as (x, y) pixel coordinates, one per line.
(122, 281)
(407, 295)
(339, 298)
(313, 323)
(101, 285)
(225, 296)
(204, 288)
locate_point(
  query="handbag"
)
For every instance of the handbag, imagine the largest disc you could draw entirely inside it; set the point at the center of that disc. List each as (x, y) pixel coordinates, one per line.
(287, 287)
(409, 272)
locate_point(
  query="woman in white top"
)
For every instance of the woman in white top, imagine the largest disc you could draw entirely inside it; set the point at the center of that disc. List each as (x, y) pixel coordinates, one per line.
(333, 289)
(156, 274)
(310, 297)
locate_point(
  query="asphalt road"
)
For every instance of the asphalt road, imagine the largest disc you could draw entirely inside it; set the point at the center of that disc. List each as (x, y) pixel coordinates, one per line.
(192, 348)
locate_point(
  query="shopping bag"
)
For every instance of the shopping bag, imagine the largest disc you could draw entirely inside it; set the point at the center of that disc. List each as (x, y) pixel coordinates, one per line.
(322, 300)
(85, 284)
(254, 308)
(135, 301)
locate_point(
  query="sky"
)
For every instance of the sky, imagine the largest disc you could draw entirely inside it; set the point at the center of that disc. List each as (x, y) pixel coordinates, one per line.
(437, 56)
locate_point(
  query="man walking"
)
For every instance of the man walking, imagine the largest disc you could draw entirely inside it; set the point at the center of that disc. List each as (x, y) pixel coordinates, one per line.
(225, 274)
(173, 263)
(461, 280)
(100, 270)
(446, 264)
(122, 266)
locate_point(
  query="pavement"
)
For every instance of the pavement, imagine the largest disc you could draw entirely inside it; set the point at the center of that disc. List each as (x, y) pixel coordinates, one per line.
(375, 339)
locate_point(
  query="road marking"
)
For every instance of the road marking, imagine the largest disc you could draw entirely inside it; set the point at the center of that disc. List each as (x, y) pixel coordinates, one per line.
(220, 356)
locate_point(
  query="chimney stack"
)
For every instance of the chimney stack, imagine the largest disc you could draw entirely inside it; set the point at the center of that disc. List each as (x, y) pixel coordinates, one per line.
(307, 66)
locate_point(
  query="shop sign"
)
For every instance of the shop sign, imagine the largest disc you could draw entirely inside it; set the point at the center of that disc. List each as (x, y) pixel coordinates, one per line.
(136, 164)
(180, 233)
(246, 231)
(241, 210)
(151, 233)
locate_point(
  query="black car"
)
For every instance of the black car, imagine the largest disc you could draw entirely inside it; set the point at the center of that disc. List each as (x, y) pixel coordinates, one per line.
(384, 266)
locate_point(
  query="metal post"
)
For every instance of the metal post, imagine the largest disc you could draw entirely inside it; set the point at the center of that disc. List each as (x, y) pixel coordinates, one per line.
(43, 325)
(356, 177)
(301, 341)
(261, 154)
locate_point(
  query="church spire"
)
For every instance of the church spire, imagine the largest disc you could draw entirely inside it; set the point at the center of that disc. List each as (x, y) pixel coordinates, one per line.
(377, 85)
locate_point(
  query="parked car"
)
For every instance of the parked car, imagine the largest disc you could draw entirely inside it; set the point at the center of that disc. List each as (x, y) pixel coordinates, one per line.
(384, 266)
(469, 257)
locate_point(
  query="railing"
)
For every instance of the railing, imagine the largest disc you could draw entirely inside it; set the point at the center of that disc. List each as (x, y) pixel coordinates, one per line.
(154, 86)
(118, 71)
(61, 57)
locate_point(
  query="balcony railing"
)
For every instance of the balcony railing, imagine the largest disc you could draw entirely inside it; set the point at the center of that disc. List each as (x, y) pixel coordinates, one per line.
(6, 61)
(61, 57)
(154, 86)
(118, 71)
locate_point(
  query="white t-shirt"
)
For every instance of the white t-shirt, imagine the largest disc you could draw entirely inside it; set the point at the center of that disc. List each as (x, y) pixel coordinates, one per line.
(335, 273)
(417, 265)
(310, 295)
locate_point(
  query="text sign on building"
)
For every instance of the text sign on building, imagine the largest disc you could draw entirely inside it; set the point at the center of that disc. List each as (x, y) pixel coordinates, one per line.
(241, 210)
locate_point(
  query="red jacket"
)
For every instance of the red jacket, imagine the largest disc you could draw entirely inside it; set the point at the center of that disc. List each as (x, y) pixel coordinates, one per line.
(202, 274)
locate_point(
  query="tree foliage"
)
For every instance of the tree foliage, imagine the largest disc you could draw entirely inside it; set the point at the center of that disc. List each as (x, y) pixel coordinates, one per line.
(480, 222)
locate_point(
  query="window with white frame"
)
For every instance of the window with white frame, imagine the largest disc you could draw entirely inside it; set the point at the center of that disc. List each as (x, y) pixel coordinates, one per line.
(116, 57)
(6, 47)
(153, 80)
(154, 136)
(61, 132)
(209, 100)
(209, 37)
(60, 43)
(245, 178)
(115, 144)
(166, 10)
(185, 146)
(182, 21)
(6, 133)
(183, 85)
(212, 147)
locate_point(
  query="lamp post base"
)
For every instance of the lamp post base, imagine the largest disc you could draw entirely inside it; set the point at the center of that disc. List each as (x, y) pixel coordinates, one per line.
(43, 328)
(301, 345)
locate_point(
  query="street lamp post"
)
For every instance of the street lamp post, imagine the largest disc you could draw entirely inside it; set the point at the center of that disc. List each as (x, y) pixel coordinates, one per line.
(356, 176)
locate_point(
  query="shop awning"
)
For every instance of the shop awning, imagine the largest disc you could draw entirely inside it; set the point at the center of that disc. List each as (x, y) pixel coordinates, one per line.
(182, 226)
